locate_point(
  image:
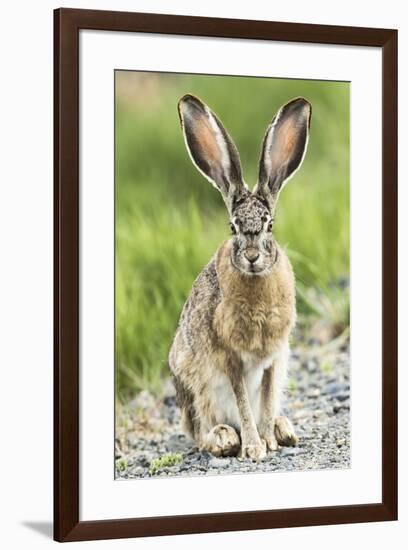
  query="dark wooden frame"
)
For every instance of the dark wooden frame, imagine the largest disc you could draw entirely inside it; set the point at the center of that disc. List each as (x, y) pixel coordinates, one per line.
(67, 24)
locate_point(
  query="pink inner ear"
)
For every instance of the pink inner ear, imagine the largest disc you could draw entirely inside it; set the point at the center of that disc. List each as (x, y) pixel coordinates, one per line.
(207, 141)
(284, 143)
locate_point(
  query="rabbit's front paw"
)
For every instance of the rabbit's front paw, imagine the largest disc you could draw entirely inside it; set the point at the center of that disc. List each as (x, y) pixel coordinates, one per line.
(255, 451)
(284, 432)
(271, 442)
(222, 440)
(267, 432)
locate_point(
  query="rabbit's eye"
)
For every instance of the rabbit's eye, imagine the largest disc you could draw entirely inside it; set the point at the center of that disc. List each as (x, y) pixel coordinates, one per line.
(233, 230)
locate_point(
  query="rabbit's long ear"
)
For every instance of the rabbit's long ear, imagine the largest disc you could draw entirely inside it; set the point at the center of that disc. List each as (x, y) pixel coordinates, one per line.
(283, 149)
(211, 149)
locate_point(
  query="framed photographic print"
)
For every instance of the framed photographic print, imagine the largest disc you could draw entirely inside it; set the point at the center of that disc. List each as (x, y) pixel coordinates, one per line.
(225, 274)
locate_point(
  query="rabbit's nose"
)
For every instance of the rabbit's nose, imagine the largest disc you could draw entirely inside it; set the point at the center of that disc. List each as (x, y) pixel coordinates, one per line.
(251, 254)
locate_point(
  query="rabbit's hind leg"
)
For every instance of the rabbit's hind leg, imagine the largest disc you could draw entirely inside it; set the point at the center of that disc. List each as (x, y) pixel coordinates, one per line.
(214, 435)
(221, 440)
(189, 421)
(199, 423)
(285, 432)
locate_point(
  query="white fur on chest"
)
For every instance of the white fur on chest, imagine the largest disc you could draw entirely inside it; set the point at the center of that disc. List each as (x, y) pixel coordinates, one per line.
(224, 401)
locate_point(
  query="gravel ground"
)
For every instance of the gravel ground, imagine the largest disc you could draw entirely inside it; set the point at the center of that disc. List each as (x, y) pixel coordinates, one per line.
(317, 402)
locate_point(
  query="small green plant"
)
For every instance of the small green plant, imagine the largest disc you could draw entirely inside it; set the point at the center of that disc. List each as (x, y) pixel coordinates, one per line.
(326, 367)
(292, 386)
(121, 464)
(165, 461)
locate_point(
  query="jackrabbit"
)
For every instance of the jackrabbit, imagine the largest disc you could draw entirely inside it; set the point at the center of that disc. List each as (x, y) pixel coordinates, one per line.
(230, 352)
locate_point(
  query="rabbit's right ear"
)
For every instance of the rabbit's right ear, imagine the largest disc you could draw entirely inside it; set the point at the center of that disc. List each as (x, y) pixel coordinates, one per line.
(211, 149)
(283, 149)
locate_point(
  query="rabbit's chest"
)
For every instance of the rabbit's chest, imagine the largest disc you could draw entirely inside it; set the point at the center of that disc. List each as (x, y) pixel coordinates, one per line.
(255, 314)
(255, 328)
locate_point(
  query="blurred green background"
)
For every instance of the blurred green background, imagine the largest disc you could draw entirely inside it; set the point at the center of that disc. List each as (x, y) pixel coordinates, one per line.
(170, 220)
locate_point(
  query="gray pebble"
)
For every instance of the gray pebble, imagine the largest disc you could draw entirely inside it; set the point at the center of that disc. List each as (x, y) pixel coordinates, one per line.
(291, 451)
(336, 388)
(342, 396)
(177, 443)
(219, 462)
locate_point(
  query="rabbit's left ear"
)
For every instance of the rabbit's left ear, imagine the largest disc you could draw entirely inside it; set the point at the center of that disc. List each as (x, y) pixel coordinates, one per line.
(283, 149)
(211, 149)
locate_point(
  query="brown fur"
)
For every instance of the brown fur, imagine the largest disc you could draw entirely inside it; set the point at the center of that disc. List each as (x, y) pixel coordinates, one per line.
(256, 313)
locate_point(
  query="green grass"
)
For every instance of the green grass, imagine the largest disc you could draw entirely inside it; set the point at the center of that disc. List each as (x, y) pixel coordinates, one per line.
(121, 464)
(164, 461)
(170, 221)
